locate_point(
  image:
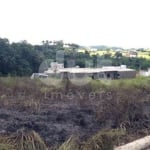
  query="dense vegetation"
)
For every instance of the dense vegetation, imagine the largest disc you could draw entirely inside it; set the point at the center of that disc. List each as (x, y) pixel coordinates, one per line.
(22, 58)
(135, 62)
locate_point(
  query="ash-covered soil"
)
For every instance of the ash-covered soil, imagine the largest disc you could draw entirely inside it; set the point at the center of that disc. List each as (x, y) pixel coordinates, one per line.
(54, 123)
(57, 114)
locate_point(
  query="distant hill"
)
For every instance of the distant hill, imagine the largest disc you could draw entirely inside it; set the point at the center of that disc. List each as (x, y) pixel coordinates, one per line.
(103, 47)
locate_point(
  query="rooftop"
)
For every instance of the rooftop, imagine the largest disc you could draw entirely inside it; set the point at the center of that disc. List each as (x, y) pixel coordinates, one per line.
(90, 70)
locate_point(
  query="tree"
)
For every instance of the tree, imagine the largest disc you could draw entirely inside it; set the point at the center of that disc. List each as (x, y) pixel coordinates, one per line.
(118, 55)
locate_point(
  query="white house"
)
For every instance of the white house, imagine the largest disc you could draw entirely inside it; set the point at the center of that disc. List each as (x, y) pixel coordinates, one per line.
(106, 72)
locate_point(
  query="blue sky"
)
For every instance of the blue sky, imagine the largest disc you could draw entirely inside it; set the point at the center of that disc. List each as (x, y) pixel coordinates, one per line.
(124, 23)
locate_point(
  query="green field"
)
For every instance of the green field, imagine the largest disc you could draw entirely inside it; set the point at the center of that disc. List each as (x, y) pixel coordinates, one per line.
(141, 54)
(144, 54)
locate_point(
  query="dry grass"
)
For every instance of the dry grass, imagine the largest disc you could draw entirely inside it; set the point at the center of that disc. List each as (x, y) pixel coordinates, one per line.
(119, 104)
(71, 144)
(22, 140)
(103, 140)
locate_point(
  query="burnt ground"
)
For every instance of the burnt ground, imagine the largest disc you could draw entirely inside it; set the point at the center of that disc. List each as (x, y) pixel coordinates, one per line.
(58, 114)
(54, 124)
(55, 121)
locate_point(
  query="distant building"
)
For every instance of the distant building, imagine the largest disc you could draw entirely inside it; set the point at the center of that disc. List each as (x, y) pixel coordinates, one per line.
(39, 75)
(132, 54)
(93, 49)
(66, 46)
(145, 73)
(107, 72)
(56, 66)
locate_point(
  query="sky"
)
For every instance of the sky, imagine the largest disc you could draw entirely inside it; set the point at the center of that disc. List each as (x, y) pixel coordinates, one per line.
(124, 23)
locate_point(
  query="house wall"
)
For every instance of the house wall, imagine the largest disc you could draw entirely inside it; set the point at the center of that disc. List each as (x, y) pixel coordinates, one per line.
(76, 75)
(116, 75)
(100, 75)
(127, 74)
(110, 75)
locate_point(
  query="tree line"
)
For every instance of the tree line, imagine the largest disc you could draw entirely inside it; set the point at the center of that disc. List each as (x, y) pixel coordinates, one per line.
(23, 58)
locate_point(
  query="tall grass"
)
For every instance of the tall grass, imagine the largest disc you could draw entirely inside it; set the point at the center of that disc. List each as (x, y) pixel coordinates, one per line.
(22, 140)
